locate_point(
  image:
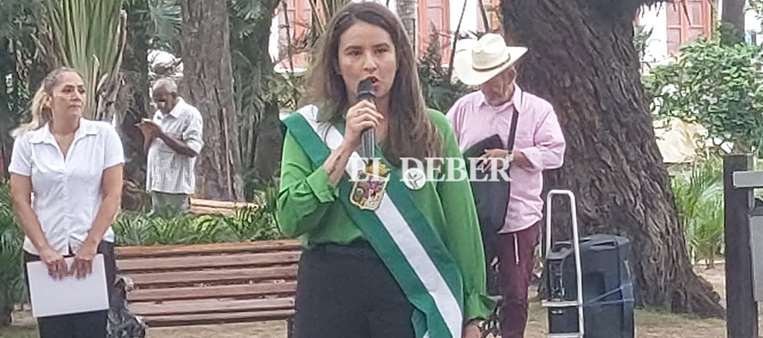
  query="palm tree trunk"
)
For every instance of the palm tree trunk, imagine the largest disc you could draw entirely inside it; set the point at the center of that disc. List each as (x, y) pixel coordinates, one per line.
(135, 99)
(259, 128)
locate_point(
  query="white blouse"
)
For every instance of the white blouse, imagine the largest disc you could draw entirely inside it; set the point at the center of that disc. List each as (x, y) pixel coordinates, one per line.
(66, 192)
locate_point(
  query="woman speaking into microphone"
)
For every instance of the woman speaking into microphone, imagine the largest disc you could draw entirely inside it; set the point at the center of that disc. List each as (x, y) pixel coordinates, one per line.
(384, 256)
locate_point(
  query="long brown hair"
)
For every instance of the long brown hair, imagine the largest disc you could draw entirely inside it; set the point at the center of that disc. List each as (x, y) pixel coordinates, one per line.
(39, 112)
(411, 133)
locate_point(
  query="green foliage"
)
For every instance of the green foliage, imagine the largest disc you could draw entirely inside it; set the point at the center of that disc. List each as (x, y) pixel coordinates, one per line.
(16, 18)
(699, 199)
(716, 85)
(166, 24)
(267, 198)
(90, 37)
(641, 36)
(251, 224)
(246, 224)
(17, 48)
(258, 92)
(757, 7)
(258, 89)
(322, 11)
(140, 229)
(11, 273)
(161, 19)
(439, 91)
(288, 89)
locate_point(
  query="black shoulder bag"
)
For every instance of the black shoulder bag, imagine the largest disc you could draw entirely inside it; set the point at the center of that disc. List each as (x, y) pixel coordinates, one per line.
(491, 198)
(492, 201)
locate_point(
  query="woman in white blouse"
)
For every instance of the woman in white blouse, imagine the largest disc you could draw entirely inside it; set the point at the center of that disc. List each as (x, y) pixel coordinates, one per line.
(66, 185)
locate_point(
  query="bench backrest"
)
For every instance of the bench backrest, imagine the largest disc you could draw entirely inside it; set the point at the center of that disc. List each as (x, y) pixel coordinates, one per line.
(211, 283)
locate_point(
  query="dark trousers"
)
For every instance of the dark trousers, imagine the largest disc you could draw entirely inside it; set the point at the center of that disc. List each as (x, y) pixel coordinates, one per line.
(79, 325)
(347, 292)
(515, 278)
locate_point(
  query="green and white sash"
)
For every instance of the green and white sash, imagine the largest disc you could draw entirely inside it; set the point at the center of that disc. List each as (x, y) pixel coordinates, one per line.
(399, 233)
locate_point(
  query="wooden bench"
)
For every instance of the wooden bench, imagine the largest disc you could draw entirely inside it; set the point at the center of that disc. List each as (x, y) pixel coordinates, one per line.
(180, 285)
(212, 207)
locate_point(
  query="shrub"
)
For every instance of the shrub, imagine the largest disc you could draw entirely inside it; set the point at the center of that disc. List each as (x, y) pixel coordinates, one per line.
(699, 200)
(11, 273)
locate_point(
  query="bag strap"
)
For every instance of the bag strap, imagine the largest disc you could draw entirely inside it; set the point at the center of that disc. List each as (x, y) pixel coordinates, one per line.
(510, 145)
(513, 127)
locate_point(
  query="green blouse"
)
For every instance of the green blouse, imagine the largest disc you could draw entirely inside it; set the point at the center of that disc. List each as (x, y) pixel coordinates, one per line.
(308, 208)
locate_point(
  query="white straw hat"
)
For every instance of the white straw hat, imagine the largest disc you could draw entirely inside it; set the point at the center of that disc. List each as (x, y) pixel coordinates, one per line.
(477, 61)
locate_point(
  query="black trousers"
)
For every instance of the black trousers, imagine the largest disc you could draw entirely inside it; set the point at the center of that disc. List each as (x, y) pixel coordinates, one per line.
(79, 325)
(347, 292)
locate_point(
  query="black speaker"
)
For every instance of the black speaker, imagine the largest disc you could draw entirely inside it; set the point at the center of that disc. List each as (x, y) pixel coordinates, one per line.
(607, 287)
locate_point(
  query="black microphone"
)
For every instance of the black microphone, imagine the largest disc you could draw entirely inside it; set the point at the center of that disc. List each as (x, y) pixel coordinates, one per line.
(368, 140)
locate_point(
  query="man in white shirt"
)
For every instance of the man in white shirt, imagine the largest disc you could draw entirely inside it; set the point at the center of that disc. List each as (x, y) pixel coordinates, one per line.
(172, 140)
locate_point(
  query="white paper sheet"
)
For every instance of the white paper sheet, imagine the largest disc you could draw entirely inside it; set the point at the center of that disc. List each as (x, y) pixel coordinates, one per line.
(69, 295)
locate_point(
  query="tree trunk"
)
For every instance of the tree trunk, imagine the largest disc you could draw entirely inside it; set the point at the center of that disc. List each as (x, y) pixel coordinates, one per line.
(135, 95)
(732, 16)
(268, 151)
(583, 60)
(208, 85)
(267, 131)
(406, 10)
(6, 312)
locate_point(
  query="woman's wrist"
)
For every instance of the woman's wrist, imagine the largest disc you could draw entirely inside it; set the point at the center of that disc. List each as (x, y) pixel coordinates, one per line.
(474, 322)
(40, 244)
(346, 148)
(92, 240)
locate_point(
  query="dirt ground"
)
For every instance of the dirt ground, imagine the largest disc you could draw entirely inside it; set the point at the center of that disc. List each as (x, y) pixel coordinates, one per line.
(649, 324)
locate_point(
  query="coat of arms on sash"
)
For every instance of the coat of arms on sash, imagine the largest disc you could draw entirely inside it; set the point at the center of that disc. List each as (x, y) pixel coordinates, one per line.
(368, 189)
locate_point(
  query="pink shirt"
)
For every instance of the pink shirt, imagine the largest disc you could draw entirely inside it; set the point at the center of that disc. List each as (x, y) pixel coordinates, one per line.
(538, 136)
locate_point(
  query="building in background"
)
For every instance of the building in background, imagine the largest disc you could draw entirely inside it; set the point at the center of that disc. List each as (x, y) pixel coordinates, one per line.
(438, 17)
(672, 27)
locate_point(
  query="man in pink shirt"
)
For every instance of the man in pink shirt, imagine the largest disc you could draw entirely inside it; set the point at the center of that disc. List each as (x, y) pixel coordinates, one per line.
(538, 145)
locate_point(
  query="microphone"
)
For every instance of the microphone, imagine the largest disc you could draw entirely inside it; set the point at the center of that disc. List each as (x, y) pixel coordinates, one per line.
(368, 139)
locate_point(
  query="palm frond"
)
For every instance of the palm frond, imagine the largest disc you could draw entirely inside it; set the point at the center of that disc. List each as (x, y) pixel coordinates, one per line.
(11, 239)
(322, 11)
(88, 36)
(166, 23)
(699, 200)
